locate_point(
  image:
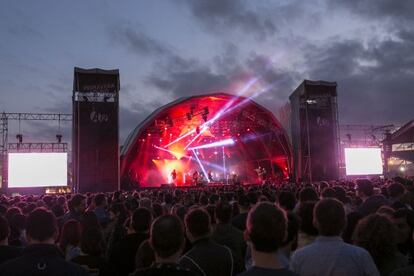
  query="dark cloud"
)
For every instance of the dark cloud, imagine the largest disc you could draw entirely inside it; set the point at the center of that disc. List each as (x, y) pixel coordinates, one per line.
(180, 77)
(379, 9)
(137, 41)
(219, 15)
(129, 118)
(374, 82)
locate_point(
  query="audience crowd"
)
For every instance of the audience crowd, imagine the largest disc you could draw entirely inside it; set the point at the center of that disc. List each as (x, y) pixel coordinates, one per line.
(361, 227)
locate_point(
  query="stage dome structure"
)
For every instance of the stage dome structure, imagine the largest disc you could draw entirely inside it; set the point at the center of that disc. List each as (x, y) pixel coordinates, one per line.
(225, 138)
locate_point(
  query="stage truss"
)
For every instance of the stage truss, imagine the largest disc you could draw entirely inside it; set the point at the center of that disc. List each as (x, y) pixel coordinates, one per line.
(5, 146)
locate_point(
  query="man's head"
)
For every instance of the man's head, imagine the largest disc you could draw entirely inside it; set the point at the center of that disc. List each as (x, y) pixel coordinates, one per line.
(4, 230)
(243, 202)
(223, 211)
(41, 226)
(364, 188)
(308, 194)
(329, 217)
(77, 203)
(100, 200)
(198, 224)
(395, 190)
(141, 220)
(403, 219)
(287, 200)
(266, 227)
(167, 237)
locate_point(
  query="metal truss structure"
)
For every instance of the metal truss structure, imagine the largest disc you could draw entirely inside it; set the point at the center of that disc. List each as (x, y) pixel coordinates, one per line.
(5, 146)
(37, 147)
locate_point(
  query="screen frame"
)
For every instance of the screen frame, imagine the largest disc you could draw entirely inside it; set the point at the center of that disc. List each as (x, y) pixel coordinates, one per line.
(63, 165)
(379, 162)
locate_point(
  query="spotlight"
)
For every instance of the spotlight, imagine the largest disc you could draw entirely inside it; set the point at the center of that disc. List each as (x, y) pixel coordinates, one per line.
(402, 169)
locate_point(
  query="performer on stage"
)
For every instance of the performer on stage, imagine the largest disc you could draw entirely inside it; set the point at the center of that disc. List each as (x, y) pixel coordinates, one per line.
(195, 177)
(210, 176)
(174, 177)
(261, 172)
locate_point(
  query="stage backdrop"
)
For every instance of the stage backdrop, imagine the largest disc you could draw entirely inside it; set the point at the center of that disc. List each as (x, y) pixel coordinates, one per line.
(95, 130)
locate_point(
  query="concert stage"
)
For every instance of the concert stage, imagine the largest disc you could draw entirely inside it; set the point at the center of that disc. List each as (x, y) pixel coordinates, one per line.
(217, 138)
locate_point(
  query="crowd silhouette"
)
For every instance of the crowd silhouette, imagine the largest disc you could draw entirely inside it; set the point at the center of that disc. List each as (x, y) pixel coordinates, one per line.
(361, 227)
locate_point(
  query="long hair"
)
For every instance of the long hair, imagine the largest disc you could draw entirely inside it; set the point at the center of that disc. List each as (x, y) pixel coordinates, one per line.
(71, 234)
(377, 234)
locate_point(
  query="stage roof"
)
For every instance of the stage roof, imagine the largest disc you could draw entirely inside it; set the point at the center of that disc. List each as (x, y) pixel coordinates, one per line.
(176, 134)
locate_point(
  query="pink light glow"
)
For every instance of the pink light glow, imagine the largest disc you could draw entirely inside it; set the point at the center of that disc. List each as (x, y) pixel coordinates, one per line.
(37, 169)
(363, 161)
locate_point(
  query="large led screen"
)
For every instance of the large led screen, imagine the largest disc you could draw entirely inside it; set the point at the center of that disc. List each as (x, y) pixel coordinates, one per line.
(363, 161)
(37, 169)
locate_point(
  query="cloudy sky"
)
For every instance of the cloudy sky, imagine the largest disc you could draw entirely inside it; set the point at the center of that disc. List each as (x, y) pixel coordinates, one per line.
(170, 49)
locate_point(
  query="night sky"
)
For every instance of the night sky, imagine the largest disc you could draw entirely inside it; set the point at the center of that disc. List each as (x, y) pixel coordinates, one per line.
(170, 49)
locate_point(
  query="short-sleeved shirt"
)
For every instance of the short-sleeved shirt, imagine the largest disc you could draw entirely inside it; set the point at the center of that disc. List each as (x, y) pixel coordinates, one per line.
(259, 271)
(332, 256)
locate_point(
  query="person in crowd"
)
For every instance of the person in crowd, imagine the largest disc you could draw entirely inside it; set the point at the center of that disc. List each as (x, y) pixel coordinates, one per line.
(90, 220)
(352, 220)
(406, 271)
(145, 256)
(226, 234)
(70, 239)
(403, 219)
(265, 233)
(41, 256)
(7, 252)
(307, 231)
(92, 250)
(206, 257)
(239, 221)
(287, 200)
(395, 192)
(378, 236)
(145, 202)
(167, 240)
(370, 201)
(77, 207)
(290, 243)
(100, 211)
(328, 192)
(116, 229)
(122, 257)
(307, 194)
(17, 229)
(328, 254)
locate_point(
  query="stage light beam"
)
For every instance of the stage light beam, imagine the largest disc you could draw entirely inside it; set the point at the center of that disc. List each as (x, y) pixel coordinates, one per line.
(201, 166)
(226, 142)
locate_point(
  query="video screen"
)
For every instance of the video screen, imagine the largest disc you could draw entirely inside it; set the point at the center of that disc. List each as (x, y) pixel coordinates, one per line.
(37, 169)
(363, 161)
